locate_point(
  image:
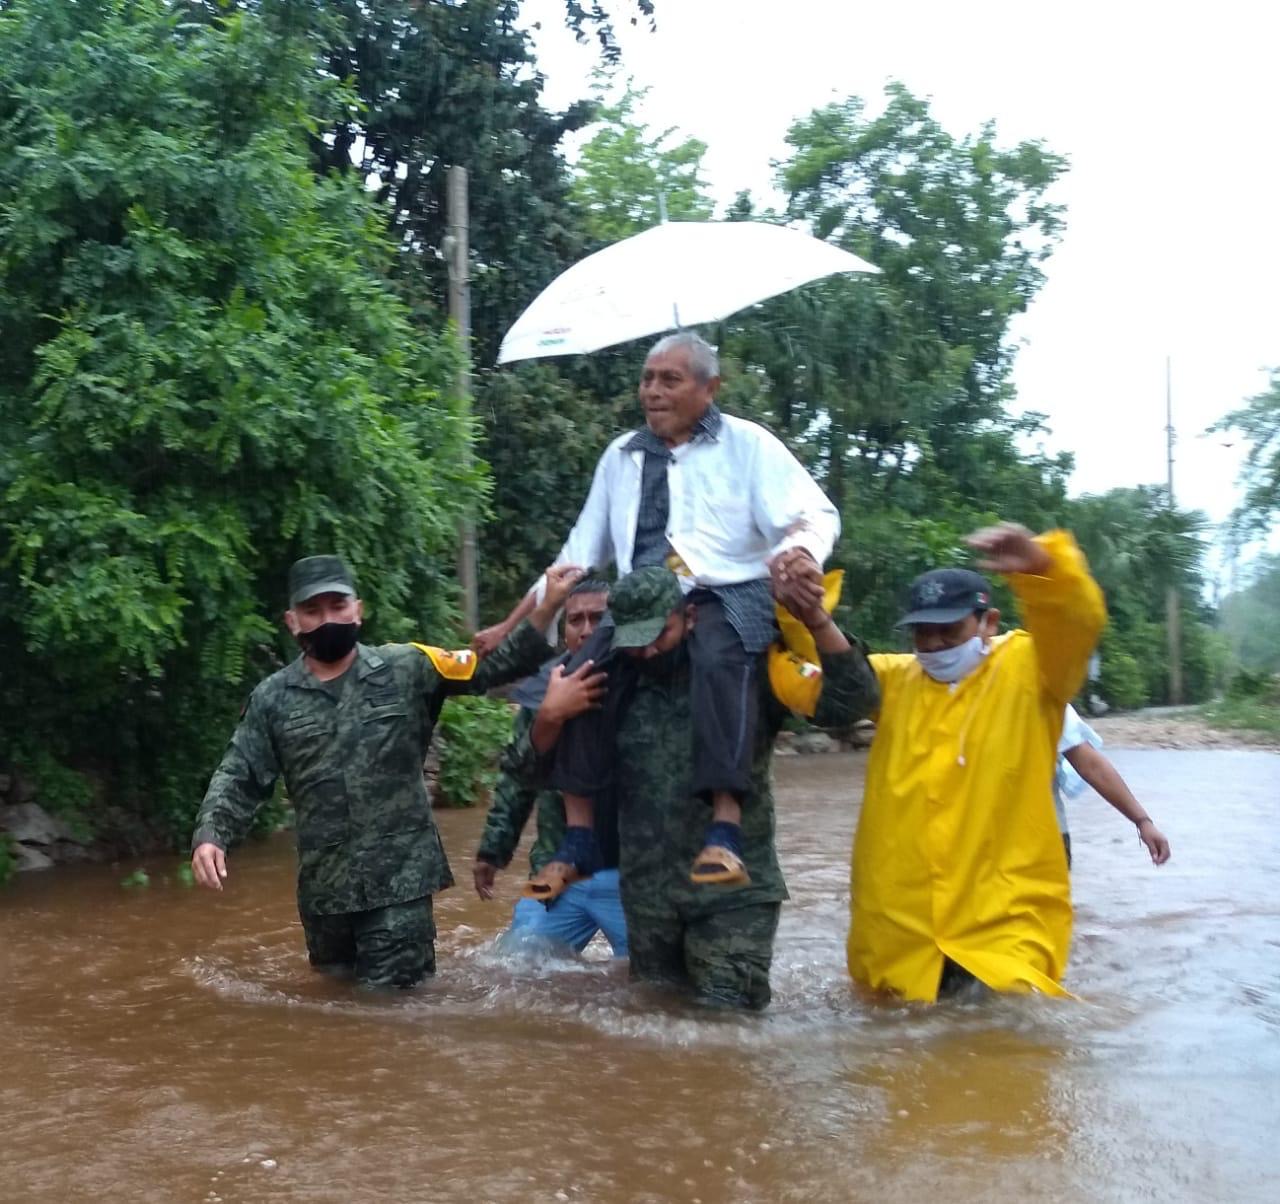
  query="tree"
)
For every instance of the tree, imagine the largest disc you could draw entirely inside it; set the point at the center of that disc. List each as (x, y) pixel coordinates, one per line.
(1258, 420)
(1251, 619)
(1139, 549)
(626, 178)
(203, 374)
(895, 389)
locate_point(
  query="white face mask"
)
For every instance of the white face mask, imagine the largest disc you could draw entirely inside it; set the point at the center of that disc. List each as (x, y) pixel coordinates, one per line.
(954, 664)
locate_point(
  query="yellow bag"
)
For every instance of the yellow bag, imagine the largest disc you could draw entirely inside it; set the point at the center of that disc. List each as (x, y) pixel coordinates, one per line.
(795, 668)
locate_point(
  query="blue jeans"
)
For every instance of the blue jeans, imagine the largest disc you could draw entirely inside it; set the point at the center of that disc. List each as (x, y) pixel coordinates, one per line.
(585, 908)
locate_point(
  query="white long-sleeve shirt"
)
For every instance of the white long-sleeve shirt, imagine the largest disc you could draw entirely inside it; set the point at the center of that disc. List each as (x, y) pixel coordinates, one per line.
(736, 501)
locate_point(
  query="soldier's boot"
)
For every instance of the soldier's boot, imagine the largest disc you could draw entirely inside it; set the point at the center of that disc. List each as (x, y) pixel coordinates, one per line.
(577, 857)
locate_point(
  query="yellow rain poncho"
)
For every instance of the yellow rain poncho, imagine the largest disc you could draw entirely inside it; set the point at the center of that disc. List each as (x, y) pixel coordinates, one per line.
(957, 852)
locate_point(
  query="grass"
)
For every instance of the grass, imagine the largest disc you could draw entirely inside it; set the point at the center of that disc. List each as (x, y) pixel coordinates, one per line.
(1244, 714)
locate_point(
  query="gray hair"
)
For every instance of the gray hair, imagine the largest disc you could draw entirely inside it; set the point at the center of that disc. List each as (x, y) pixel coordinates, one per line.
(704, 360)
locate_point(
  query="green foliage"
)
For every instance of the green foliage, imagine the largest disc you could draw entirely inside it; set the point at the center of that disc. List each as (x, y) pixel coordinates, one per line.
(1123, 682)
(1258, 420)
(61, 791)
(1246, 714)
(1138, 550)
(139, 878)
(626, 177)
(8, 859)
(1251, 619)
(470, 734)
(203, 375)
(1248, 684)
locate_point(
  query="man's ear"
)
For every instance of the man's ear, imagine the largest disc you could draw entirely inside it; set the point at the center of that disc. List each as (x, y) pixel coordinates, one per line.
(291, 622)
(991, 623)
(359, 610)
(690, 616)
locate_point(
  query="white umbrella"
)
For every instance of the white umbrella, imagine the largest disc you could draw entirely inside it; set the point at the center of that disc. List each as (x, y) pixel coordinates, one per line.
(676, 274)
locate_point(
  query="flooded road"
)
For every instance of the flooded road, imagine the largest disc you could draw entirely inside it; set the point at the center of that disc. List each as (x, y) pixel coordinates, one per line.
(162, 1044)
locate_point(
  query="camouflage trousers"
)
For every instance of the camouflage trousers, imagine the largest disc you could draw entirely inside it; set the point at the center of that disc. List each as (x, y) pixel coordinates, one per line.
(724, 958)
(386, 947)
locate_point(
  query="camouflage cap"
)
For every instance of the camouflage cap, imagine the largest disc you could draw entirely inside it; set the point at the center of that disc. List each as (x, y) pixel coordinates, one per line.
(314, 575)
(640, 603)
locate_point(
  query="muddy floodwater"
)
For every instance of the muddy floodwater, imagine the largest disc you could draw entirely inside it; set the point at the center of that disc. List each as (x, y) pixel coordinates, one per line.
(170, 1045)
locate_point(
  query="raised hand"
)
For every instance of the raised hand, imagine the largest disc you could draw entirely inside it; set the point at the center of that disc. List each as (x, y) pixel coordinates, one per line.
(1009, 548)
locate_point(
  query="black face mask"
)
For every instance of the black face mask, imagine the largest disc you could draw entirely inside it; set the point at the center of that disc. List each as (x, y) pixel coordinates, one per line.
(329, 642)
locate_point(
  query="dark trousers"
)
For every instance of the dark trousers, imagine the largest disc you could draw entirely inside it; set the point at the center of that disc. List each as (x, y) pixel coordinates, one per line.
(391, 946)
(724, 688)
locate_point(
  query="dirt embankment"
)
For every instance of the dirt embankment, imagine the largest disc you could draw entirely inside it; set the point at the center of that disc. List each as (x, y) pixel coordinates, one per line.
(1173, 729)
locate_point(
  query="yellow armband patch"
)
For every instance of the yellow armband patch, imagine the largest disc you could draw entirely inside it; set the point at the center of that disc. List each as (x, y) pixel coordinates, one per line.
(455, 666)
(795, 682)
(795, 676)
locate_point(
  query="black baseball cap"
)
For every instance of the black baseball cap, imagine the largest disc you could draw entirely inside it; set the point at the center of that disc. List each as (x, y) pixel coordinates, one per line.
(945, 595)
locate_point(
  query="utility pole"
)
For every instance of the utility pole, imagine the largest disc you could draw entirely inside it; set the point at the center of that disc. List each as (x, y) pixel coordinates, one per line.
(1173, 614)
(457, 256)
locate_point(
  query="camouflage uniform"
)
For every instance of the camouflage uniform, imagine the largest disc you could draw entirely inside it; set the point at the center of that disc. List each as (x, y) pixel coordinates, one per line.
(351, 753)
(515, 798)
(716, 939)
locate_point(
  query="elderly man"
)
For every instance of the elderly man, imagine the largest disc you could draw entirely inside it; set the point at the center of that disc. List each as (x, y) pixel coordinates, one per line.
(347, 726)
(959, 872)
(586, 907)
(715, 941)
(722, 503)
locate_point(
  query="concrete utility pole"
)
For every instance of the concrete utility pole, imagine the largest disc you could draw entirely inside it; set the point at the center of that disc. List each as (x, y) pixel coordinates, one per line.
(457, 256)
(1173, 613)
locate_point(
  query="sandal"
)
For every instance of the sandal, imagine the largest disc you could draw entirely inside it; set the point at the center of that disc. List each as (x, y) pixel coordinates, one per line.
(551, 881)
(718, 866)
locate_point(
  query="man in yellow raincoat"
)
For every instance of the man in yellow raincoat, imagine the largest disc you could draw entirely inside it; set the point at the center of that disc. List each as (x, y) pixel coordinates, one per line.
(958, 864)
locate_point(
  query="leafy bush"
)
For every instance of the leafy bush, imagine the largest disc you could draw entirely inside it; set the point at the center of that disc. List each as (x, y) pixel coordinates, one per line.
(470, 734)
(204, 374)
(61, 791)
(1123, 683)
(1247, 683)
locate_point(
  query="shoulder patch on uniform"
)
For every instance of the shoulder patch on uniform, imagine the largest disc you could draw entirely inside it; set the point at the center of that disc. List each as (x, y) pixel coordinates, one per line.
(456, 666)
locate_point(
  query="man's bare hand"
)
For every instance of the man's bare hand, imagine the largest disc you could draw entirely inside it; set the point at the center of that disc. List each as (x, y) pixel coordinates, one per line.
(797, 582)
(484, 875)
(488, 638)
(561, 578)
(570, 694)
(1156, 841)
(1009, 548)
(209, 865)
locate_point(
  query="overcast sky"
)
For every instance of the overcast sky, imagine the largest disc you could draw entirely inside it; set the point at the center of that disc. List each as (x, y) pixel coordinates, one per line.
(1169, 115)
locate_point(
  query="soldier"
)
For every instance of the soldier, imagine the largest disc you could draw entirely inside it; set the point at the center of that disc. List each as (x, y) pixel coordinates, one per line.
(347, 726)
(715, 940)
(586, 907)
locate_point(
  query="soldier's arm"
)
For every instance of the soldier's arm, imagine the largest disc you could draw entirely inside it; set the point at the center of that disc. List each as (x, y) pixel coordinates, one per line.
(850, 690)
(243, 781)
(513, 796)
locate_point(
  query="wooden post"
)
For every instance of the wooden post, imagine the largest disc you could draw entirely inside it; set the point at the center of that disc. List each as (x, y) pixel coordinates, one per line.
(457, 255)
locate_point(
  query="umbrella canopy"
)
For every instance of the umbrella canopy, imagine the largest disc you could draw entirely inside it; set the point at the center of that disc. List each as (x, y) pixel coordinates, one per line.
(676, 274)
